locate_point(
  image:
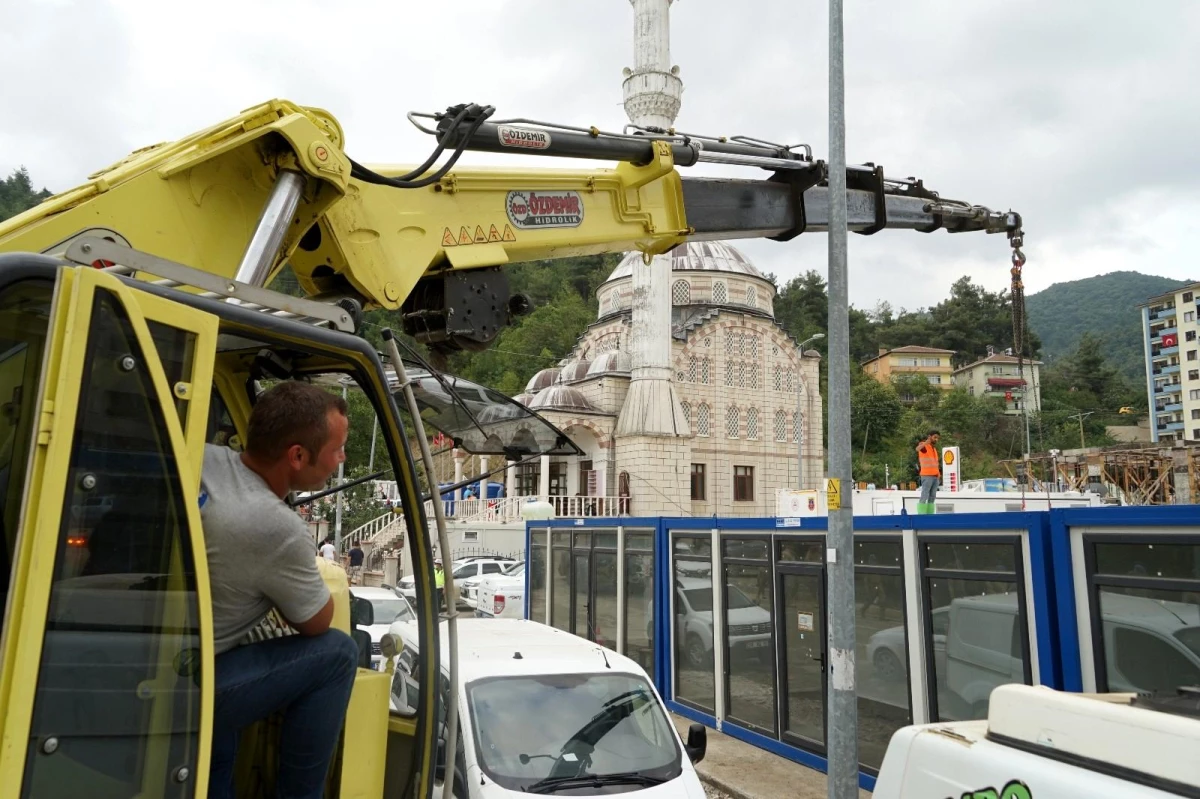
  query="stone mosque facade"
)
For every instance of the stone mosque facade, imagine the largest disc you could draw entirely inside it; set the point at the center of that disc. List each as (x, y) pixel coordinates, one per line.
(750, 399)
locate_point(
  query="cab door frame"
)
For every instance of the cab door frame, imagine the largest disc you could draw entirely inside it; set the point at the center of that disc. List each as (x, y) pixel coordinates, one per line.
(45, 488)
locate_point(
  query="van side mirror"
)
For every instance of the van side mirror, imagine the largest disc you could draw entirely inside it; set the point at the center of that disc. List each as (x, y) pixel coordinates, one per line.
(697, 742)
(362, 614)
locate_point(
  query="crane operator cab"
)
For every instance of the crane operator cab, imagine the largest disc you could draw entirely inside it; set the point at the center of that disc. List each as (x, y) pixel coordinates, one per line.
(110, 388)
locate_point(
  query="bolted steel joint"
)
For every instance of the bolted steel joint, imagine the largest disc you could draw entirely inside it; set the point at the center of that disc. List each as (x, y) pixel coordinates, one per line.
(128, 363)
(87, 482)
(50, 745)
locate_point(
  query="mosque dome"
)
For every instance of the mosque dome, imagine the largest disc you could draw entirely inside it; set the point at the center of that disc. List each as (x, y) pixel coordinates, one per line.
(611, 362)
(524, 398)
(561, 398)
(543, 379)
(695, 256)
(575, 370)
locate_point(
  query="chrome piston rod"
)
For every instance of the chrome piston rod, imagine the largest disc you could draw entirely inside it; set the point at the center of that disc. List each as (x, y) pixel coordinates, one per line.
(272, 226)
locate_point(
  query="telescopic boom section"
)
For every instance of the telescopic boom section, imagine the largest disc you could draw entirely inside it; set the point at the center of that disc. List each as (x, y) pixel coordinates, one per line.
(431, 240)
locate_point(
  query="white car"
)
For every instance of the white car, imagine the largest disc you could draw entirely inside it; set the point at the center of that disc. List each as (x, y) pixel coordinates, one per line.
(502, 596)
(387, 609)
(602, 728)
(747, 624)
(461, 570)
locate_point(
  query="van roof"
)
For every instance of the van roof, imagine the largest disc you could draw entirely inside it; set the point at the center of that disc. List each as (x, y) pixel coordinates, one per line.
(490, 648)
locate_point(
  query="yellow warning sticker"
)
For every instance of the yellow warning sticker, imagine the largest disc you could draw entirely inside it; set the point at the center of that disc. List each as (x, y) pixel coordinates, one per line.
(508, 234)
(448, 239)
(480, 236)
(833, 493)
(463, 236)
(493, 234)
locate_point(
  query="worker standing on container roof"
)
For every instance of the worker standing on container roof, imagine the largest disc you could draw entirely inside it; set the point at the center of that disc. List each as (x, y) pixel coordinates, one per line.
(927, 457)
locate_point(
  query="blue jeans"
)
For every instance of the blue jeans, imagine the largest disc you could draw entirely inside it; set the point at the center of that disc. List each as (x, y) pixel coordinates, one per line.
(309, 679)
(929, 487)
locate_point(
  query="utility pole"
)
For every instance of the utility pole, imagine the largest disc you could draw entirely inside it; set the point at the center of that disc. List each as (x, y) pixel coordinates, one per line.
(801, 416)
(839, 555)
(1081, 417)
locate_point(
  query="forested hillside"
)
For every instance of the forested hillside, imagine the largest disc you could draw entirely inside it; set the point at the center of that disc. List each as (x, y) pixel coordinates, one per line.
(17, 194)
(1104, 306)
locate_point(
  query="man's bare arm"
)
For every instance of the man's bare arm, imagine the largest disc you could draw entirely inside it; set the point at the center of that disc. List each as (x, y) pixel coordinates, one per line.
(318, 624)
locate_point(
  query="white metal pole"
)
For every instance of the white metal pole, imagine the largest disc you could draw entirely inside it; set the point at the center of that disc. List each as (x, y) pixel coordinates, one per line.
(843, 706)
(337, 524)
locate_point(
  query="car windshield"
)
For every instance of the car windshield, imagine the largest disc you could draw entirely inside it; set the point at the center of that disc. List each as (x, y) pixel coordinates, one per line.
(589, 724)
(515, 570)
(388, 610)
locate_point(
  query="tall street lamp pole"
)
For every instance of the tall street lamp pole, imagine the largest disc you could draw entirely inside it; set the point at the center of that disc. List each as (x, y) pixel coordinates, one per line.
(801, 416)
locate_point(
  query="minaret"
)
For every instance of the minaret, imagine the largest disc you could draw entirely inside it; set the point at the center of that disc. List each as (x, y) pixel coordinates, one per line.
(653, 441)
(652, 96)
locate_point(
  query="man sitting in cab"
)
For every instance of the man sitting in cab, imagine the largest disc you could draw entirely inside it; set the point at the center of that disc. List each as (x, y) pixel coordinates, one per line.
(261, 561)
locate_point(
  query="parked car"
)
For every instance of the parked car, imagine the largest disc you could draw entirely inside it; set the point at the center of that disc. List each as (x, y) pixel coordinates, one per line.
(747, 624)
(502, 596)
(387, 608)
(601, 726)
(460, 570)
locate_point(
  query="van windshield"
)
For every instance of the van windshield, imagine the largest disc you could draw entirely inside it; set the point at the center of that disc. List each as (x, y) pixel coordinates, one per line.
(588, 724)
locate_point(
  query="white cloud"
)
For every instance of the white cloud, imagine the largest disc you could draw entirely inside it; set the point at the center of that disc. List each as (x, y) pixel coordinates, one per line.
(1079, 116)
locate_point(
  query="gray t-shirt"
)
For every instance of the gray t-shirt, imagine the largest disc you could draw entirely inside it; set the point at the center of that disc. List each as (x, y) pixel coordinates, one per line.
(260, 554)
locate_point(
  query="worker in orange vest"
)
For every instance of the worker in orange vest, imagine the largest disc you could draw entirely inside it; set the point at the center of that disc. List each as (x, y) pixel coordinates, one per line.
(927, 457)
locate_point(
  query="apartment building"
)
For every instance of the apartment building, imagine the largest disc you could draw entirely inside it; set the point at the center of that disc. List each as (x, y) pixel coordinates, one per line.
(1172, 351)
(1000, 377)
(931, 362)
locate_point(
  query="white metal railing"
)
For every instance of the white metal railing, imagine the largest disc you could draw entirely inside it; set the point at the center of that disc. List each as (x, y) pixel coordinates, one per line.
(374, 531)
(506, 509)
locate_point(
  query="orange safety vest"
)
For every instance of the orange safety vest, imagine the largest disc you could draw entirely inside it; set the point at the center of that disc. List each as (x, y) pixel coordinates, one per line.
(928, 458)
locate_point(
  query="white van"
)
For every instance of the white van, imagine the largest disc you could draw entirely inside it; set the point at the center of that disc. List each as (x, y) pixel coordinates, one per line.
(1038, 743)
(543, 712)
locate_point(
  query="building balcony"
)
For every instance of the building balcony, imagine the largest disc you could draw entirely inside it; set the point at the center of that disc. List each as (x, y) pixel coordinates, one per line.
(1170, 427)
(1165, 313)
(1170, 407)
(1164, 352)
(1168, 388)
(1166, 369)
(1156, 336)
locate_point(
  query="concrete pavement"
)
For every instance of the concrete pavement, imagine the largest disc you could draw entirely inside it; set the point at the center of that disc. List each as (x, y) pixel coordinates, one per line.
(732, 769)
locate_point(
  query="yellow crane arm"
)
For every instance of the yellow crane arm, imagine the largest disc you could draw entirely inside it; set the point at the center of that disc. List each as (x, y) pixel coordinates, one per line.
(273, 186)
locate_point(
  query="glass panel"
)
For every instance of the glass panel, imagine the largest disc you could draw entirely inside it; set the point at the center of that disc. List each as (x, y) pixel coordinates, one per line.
(1152, 559)
(804, 551)
(607, 540)
(878, 553)
(176, 350)
(976, 643)
(604, 600)
(583, 539)
(972, 557)
(24, 319)
(693, 600)
(804, 653)
(121, 652)
(882, 664)
(639, 540)
(482, 420)
(639, 609)
(1151, 639)
(700, 547)
(756, 549)
(537, 580)
(582, 610)
(560, 609)
(751, 666)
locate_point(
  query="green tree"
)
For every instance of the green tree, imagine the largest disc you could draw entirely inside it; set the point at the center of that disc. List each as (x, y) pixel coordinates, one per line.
(875, 411)
(17, 194)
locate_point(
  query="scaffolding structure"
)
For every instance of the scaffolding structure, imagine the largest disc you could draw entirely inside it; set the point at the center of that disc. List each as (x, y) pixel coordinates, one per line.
(1136, 475)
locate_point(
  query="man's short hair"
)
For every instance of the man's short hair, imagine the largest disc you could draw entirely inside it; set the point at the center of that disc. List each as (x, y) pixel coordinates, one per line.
(932, 433)
(291, 413)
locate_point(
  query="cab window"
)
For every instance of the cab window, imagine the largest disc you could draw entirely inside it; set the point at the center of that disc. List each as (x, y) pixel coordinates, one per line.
(117, 707)
(24, 320)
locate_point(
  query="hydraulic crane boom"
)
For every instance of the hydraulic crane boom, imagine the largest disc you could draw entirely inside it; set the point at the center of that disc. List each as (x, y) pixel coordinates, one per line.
(273, 186)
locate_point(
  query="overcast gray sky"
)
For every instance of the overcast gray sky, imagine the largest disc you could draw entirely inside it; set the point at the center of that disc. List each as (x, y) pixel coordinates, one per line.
(1083, 116)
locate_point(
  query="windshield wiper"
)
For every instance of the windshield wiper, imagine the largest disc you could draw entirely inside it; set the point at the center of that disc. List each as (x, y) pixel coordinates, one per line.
(552, 784)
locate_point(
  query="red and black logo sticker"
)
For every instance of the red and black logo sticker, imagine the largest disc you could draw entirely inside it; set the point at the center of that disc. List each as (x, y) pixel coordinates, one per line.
(543, 209)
